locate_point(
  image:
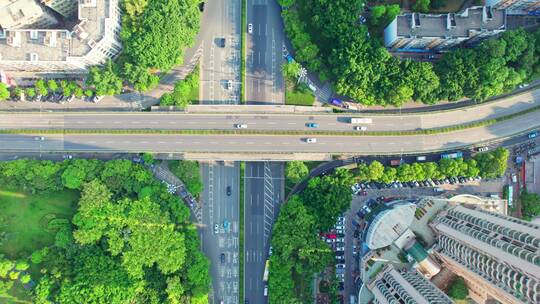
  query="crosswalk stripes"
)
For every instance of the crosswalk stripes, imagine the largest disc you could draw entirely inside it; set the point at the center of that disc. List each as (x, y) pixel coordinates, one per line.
(268, 200)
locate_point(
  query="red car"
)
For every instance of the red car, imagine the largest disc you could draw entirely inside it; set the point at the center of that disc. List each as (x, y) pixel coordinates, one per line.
(362, 193)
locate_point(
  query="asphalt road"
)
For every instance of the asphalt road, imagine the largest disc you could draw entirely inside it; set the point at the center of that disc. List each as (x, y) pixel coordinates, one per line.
(264, 81)
(264, 192)
(218, 207)
(220, 64)
(267, 143)
(270, 121)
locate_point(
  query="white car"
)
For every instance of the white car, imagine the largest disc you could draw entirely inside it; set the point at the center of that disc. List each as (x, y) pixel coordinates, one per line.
(342, 266)
(39, 138)
(339, 227)
(265, 292)
(311, 140)
(228, 84)
(482, 149)
(250, 28)
(340, 248)
(97, 98)
(360, 128)
(240, 126)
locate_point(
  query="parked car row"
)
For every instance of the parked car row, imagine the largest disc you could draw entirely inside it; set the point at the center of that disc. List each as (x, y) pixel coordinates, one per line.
(524, 147)
(358, 188)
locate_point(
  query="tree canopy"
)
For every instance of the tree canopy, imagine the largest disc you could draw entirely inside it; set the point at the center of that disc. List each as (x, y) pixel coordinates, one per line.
(130, 241)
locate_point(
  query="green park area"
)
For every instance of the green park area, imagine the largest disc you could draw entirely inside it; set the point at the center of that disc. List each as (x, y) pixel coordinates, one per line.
(24, 218)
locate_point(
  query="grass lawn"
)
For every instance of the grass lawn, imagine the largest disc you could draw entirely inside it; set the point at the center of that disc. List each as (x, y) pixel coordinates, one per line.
(298, 95)
(24, 218)
(194, 93)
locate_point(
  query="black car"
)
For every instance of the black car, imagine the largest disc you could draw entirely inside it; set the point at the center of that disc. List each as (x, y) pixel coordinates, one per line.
(221, 42)
(222, 258)
(201, 6)
(229, 191)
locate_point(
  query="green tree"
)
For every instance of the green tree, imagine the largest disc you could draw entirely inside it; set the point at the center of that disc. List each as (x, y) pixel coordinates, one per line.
(189, 173)
(492, 164)
(40, 87)
(389, 175)
(140, 77)
(105, 80)
(421, 6)
(17, 92)
(530, 205)
(30, 92)
(328, 196)
(458, 290)
(291, 70)
(296, 171)
(286, 3)
(376, 170)
(4, 92)
(52, 85)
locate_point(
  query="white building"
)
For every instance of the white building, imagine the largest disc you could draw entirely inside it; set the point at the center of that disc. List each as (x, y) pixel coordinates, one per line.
(15, 14)
(93, 40)
(437, 32)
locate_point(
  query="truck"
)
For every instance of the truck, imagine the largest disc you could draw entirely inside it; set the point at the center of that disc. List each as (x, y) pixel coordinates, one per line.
(452, 155)
(358, 120)
(266, 271)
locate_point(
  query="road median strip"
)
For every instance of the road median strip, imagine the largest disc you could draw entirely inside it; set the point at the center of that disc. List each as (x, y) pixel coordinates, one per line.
(482, 123)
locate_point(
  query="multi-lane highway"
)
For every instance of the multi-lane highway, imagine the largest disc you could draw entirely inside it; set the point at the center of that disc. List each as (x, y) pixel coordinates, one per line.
(340, 122)
(264, 81)
(221, 209)
(263, 195)
(220, 62)
(268, 143)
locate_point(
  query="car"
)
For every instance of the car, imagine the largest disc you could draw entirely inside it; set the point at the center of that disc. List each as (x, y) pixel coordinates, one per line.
(222, 258)
(216, 228)
(240, 126)
(341, 240)
(228, 84)
(311, 140)
(340, 248)
(312, 125)
(362, 193)
(339, 253)
(226, 225)
(340, 266)
(360, 128)
(482, 149)
(533, 135)
(250, 28)
(97, 98)
(270, 250)
(341, 286)
(201, 6)
(228, 190)
(70, 98)
(67, 156)
(265, 292)
(39, 138)
(221, 42)
(339, 227)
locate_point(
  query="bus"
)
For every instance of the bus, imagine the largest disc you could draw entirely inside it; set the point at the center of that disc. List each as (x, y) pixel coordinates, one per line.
(356, 120)
(452, 155)
(266, 270)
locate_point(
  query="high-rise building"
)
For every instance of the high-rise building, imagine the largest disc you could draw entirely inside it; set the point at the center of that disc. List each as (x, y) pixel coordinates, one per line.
(497, 255)
(441, 31)
(393, 285)
(16, 14)
(94, 39)
(66, 8)
(515, 6)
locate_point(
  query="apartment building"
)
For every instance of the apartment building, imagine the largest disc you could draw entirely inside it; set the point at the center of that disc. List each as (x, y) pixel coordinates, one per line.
(497, 255)
(517, 7)
(412, 31)
(93, 40)
(16, 14)
(66, 8)
(393, 285)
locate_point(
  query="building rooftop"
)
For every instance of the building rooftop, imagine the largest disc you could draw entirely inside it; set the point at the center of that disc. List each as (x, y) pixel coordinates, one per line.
(390, 224)
(450, 25)
(14, 12)
(90, 39)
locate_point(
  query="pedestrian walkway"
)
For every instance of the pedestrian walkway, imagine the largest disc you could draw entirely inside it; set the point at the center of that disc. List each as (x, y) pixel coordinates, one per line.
(162, 172)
